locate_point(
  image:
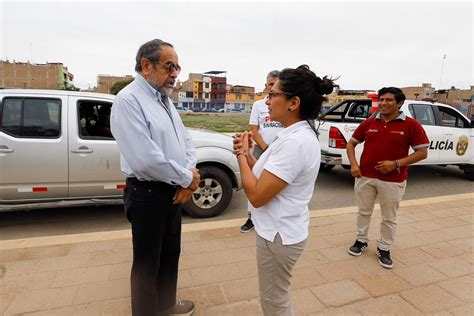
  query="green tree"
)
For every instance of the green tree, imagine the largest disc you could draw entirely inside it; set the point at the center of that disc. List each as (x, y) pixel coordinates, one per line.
(71, 88)
(119, 85)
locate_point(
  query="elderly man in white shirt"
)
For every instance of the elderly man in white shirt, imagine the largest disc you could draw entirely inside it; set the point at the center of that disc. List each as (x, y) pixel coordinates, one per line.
(158, 157)
(280, 184)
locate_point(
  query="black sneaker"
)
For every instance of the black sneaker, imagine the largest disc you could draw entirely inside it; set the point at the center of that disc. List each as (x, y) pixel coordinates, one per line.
(248, 226)
(357, 248)
(384, 258)
(182, 307)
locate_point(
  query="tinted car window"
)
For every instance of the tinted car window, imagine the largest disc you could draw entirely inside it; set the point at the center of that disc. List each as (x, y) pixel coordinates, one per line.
(451, 118)
(31, 117)
(11, 116)
(423, 113)
(40, 118)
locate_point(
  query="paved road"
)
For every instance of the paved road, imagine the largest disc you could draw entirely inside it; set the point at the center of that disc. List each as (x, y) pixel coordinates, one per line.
(333, 189)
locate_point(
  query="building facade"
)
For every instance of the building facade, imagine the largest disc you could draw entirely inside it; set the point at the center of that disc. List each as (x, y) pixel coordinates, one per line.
(239, 98)
(34, 76)
(218, 88)
(425, 92)
(105, 82)
(194, 93)
(460, 99)
(338, 95)
(201, 92)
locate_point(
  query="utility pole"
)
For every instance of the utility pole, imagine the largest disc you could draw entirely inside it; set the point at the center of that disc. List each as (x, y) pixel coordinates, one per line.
(442, 68)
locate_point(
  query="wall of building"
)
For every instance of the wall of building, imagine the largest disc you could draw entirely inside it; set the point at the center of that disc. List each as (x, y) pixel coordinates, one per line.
(218, 92)
(34, 76)
(460, 99)
(208, 91)
(105, 82)
(426, 91)
(239, 98)
(338, 95)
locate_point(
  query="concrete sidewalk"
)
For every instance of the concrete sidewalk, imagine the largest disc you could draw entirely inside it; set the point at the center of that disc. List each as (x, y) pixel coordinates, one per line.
(88, 274)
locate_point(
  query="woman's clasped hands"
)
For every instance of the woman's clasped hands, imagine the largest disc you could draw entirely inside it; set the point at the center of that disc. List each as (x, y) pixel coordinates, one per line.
(243, 145)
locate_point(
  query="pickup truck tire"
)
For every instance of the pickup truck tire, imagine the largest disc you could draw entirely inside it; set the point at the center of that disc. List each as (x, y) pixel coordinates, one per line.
(469, 172)
(325, 167)
(213, 194)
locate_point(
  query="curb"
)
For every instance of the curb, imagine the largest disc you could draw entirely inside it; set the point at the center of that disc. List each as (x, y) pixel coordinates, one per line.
(193, 227)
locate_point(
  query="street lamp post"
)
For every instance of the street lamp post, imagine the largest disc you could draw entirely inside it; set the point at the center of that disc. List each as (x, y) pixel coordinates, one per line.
(442, 68)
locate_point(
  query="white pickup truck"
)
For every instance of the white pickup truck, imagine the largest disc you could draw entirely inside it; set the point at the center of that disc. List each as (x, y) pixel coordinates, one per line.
(451, 134)
(56, 150)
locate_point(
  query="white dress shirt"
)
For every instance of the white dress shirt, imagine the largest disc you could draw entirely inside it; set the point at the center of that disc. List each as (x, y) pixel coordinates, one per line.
(152, 140)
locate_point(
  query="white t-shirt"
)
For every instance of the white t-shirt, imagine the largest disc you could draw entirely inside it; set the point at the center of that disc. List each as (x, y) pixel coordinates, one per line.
(294, 157)
(259, 116)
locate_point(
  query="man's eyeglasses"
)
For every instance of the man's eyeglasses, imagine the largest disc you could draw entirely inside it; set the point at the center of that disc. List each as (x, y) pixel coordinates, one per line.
(272, 94)
(171, 67)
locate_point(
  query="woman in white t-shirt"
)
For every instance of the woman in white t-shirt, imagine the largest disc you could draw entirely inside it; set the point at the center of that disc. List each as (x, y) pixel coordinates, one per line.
(280, 184)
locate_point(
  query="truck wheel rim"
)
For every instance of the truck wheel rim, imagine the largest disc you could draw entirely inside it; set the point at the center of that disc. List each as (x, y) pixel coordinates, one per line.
(208, 194)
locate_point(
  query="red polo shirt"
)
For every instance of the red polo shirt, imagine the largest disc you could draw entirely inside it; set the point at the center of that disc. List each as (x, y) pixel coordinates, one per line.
(388, 141)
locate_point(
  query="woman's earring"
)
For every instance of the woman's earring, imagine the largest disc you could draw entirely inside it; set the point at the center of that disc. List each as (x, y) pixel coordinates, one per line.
(289, 109)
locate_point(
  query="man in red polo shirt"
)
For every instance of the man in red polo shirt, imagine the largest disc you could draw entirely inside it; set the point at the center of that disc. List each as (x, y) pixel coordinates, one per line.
(383, 170)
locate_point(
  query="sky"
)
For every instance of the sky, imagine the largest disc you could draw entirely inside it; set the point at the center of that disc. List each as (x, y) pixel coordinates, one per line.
(366, 44)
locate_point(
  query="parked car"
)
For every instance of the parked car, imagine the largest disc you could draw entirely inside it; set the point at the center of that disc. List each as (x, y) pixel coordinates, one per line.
(183, 110)
(56, 150)
(211, 110)
(451, 134)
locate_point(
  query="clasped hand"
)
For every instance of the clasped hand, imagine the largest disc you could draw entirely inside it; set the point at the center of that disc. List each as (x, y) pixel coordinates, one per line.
(243, 143)
(182, 195)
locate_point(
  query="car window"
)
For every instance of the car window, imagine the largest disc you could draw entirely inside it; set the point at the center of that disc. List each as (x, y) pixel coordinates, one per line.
(94, 120)
(349, 111)
(11, 116)
(336, 113)
(31, 117)
(451, 118)
(423, 113)
(359, 110)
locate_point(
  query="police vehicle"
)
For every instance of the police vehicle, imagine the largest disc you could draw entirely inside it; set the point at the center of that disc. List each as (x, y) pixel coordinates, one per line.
(451, 133)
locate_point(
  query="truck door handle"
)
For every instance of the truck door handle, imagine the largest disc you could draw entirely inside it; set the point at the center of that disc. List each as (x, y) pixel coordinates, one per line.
(82, 150)
(448, 133)
(5, 150)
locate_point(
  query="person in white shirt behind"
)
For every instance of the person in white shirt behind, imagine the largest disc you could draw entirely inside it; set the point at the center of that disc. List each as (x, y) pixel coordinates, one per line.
(263, 131)
(280, 184)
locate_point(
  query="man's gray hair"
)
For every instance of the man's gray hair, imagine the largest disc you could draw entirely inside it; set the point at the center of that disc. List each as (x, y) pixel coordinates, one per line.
(151, 50)
(273, 74)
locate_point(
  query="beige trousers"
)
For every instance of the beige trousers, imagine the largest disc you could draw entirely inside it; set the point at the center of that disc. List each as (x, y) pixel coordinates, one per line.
(275, 262)
(389, 195)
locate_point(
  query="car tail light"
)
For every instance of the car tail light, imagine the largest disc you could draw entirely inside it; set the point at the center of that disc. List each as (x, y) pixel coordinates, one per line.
(336, 139)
